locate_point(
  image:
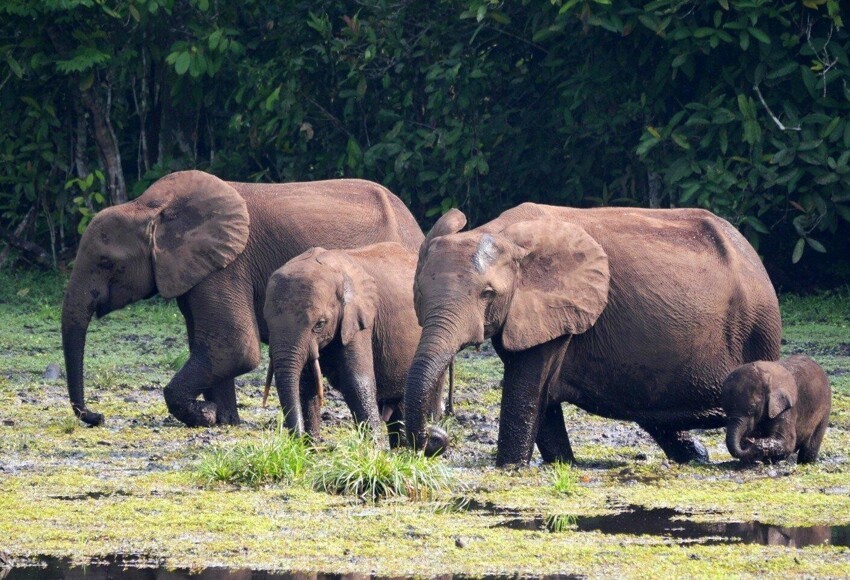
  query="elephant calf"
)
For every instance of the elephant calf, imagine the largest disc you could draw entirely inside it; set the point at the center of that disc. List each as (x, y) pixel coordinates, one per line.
(776, 409)
(356, 308)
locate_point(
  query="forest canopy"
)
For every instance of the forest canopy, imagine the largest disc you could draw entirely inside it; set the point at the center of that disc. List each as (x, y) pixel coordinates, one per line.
(739, 107)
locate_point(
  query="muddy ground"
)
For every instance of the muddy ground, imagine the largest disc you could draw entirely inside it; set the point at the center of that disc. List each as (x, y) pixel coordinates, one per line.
(129, 489)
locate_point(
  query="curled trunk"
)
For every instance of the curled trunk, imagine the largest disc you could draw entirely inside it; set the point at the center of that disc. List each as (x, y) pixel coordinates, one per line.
(736, 431)
(420, 394)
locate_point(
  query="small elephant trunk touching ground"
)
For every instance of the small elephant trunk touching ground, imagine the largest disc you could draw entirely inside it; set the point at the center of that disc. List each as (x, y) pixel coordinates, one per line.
(735, 434)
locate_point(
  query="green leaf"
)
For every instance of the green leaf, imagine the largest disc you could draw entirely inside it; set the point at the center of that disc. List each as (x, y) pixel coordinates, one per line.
(827, 130)
(759, 35)
(653, 131)
(816, 245)
(680, 140)
(783, 71)
(798, 250)
(181, 64)
(13, 64)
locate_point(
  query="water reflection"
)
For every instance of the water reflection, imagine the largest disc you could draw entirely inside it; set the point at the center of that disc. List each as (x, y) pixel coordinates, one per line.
(667, 522)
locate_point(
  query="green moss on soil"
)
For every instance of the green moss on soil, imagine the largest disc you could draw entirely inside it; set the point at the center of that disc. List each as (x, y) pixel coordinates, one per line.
(130, 486)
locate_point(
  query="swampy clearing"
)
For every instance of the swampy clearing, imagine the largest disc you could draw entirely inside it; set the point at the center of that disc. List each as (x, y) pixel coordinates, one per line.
(131, 488)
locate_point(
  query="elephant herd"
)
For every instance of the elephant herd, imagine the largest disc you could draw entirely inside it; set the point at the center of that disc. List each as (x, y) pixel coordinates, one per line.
(662, 317)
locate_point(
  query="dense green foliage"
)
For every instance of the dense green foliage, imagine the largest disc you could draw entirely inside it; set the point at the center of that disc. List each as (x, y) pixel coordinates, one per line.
(738, 106)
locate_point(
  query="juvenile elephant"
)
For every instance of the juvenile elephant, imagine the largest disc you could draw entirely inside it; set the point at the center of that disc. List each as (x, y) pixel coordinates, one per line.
(213, 244)
(777, 408)
(628, 313)
(355, 309)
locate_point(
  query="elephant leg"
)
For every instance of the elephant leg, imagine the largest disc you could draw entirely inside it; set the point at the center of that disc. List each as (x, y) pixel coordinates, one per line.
(528, 375)
(810, 449)
(553, 442)
(680, 446)
(223, 395)
(224, 343)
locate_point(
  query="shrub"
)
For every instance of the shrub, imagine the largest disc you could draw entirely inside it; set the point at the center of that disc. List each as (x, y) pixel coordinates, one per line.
(277, 457)
(564, 478)
(355, 466)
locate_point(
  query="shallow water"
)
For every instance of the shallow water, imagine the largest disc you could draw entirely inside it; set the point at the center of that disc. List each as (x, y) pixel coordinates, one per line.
(122, 567)
(667, 522)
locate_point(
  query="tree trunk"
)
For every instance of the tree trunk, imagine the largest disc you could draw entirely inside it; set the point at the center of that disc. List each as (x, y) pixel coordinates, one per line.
(107, 144)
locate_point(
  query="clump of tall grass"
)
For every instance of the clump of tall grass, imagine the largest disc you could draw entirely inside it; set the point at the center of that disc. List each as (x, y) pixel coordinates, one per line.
(560, 522)
(356, 466)
(564, 478)
(278, 457)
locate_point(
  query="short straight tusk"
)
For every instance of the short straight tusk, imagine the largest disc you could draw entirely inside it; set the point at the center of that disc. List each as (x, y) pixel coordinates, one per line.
(269, 376)
(320, 391)
(450, 405)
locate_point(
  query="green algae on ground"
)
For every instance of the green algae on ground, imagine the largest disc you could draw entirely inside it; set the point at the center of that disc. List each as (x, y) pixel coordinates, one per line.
(130, 487)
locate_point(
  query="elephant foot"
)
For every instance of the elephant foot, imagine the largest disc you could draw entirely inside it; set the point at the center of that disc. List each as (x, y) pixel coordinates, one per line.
(224, 398)
(200, 414)
(192, 413)
(679, 446)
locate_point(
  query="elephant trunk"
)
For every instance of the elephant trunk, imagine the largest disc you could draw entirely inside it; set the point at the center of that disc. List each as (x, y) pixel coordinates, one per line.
(421, 388)
(736, 430)
(289, 363)
(76, 315)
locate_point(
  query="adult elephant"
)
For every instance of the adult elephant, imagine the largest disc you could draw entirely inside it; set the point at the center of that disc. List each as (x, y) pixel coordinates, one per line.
(628, 313)
(212, 245)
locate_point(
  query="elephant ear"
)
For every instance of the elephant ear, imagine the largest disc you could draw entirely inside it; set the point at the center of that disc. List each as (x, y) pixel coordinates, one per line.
(782, 394)
(562, 283)
(201, 226)
(358, 294)
(450, 222)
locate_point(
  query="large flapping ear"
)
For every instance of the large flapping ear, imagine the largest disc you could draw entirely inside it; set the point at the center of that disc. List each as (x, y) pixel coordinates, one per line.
(562, 283)
(358, 294)
(200, 226)
(781, 393)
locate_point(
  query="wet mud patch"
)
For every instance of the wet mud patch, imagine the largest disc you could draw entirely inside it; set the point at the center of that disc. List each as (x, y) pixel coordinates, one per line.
(672, 524)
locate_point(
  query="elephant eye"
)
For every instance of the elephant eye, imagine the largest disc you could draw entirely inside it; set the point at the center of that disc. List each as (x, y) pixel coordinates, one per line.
(105, 263)
(320, 325)
(488, 293)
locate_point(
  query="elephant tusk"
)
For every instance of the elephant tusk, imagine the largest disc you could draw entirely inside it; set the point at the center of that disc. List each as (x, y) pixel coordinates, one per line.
(320, 391)
(450, 404)
(269, 376)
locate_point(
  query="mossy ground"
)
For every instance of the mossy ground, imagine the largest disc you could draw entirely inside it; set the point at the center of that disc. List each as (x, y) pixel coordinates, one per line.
(130, 487)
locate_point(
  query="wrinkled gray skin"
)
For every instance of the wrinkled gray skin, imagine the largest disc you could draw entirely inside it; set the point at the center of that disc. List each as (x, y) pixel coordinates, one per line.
(212, 245)
(628, 313)
(775, 409)
(353, 309)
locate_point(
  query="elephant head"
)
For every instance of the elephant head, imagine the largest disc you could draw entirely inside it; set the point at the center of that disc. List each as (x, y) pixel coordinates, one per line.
(315, 298)
(753, 394)
(184, 227)
(527, 282)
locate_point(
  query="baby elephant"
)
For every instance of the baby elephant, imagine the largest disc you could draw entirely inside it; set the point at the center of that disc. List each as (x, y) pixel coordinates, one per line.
(355, 307)
(775, 409)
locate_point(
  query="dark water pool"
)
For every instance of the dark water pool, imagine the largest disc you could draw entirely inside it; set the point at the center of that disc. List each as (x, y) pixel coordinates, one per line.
(124, 568)
(669, 523)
